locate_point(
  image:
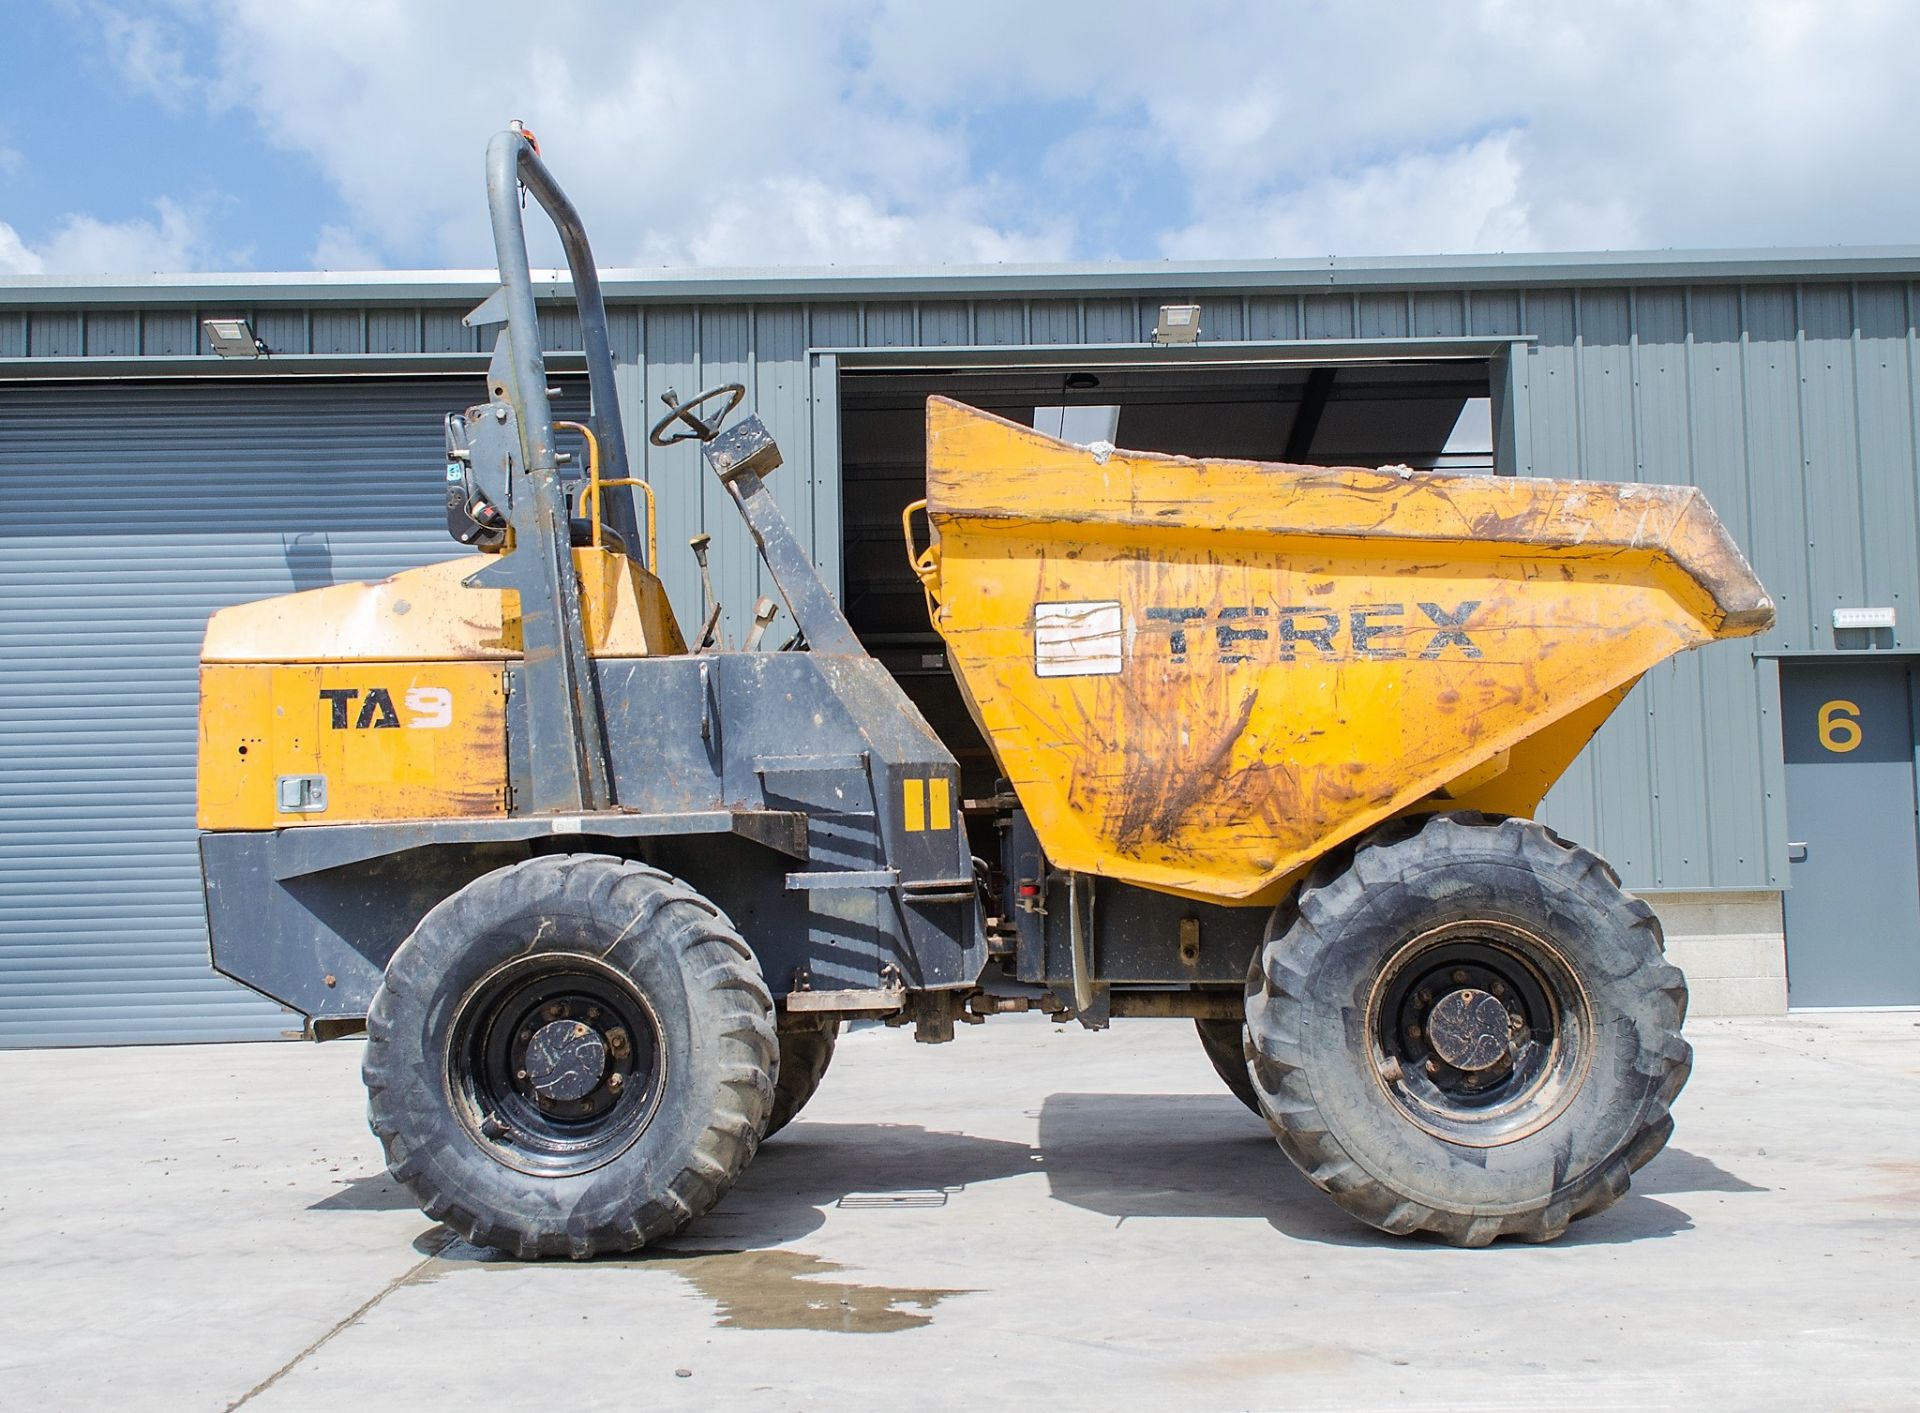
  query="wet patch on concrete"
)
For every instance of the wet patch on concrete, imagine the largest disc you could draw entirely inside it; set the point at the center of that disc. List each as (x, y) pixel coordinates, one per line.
(794, 1290)
(775, 1289)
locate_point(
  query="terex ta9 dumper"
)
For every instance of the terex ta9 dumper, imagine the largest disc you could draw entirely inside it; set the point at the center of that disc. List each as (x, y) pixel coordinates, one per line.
(1270, 737)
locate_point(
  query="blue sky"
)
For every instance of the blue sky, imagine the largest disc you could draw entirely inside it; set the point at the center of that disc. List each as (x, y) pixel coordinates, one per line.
(144, 135)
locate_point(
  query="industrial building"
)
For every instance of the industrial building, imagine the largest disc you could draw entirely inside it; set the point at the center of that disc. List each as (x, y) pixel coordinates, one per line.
(173, 445)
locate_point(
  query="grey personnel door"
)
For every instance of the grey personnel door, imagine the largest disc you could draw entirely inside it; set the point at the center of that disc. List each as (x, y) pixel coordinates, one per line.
(1853, 910)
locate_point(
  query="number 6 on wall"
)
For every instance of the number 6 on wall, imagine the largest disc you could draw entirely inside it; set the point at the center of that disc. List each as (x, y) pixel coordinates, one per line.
(1839, 726)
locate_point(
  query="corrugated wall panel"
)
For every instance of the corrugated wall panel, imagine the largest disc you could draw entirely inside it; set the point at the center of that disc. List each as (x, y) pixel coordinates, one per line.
(1778, 546)
(1889, 504)
(945, 323)
(737, 572)
(1111, 321)
(1328, 316)
(112, 333)
(1273, 317)
(1441, 315)
(282, 330)
(1383, 316)
(1000, 321)
(338, 331)
(1732, 744)
(167, 333)
(143, 508)
(1793, 407)
(1829, 456)
(53, 333)
(675, 472)
(1222, 319)
(1054, 321)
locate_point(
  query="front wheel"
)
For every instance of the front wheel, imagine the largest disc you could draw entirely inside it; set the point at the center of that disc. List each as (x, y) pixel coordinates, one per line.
(1470, 1030)
(570, 1056)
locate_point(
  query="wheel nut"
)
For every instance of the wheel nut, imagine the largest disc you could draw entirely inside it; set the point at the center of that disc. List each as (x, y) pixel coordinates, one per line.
(1390, 1070)
(1459, 978)
(593, 1013)
(1433, 1067)
(1413, 1032)
(617, 1044)
(519, 1074)
(555, 1010)
(614, 1082)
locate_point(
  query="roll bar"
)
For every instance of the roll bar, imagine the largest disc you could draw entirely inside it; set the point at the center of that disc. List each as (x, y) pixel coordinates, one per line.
(512, 163)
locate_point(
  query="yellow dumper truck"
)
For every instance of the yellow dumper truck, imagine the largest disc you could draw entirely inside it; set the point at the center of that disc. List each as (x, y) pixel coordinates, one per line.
(600, 893)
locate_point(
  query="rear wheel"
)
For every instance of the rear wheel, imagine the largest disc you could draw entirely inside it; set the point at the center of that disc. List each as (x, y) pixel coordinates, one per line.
(1225, 1042)
(805, 1053)
(570, 1056)
(1470, 1030)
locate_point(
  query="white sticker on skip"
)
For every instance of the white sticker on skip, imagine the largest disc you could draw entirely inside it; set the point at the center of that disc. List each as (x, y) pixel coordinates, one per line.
(1077, 639)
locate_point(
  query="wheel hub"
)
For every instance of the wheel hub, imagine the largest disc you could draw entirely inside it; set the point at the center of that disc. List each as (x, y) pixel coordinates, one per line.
(1480, 1031)
(558, 1063)
(1470, 1029)
(566, 1060)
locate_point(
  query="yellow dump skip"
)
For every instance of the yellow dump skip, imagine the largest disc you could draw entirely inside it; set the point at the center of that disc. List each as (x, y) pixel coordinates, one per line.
(1201, 675)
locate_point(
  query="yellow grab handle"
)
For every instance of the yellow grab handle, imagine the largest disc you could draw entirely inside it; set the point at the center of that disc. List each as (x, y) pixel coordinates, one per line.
(590, 495)
(925, 563)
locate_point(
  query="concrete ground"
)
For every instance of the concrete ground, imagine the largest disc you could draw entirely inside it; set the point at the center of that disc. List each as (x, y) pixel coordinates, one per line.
(1030, 1215)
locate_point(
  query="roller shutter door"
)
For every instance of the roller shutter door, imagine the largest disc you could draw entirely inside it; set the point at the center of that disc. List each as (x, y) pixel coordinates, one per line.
(128, 512)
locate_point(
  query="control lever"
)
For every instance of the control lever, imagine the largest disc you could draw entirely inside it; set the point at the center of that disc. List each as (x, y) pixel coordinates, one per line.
(765, 610)
(710, 630)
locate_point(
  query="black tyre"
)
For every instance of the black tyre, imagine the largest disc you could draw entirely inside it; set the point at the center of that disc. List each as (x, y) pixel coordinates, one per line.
(805, 1053)
(1469, 1030)
(1225, 1042)
(570, 1056)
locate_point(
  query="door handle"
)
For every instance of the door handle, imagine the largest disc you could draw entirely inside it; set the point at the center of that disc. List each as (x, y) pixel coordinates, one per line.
(1796, 853)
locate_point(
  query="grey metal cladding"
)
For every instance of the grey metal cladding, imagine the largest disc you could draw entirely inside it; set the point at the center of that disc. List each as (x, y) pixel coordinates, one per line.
(1783, 385)
(134, 510)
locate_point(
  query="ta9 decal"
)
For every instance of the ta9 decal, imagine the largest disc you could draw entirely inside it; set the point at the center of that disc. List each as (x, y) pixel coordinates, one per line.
(350, 709)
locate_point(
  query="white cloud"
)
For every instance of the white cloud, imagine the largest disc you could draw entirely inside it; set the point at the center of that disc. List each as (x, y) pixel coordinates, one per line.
(336, 247)
(175, 239)
(849, 131)
(145, 48)
(685, 138)
(1467, 199)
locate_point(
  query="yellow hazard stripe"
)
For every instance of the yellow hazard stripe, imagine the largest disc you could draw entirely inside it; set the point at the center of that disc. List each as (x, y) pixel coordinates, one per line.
(926, 804)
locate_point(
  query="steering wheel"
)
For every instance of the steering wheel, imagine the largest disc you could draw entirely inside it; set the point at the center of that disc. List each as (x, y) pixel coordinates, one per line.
(678, 411)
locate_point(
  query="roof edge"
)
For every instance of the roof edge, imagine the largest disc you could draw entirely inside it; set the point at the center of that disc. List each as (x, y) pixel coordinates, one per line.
(721, 283)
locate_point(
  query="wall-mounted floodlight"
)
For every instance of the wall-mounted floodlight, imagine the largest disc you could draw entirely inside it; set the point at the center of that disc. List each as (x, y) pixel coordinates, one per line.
(1863, 618)
(233, 338)
(1178, 323)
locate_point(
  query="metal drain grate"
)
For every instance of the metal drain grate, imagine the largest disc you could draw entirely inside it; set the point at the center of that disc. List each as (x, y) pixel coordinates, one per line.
(875, 1201)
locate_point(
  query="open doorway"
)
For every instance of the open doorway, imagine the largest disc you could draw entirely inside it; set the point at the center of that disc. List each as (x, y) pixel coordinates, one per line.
(1420, 413)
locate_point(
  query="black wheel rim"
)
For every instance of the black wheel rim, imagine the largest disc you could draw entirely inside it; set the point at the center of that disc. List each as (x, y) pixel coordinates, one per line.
(1480, 1031)
(555, 1064)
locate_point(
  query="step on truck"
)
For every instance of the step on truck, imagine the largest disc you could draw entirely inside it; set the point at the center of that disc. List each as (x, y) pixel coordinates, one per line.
(1268, 739)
